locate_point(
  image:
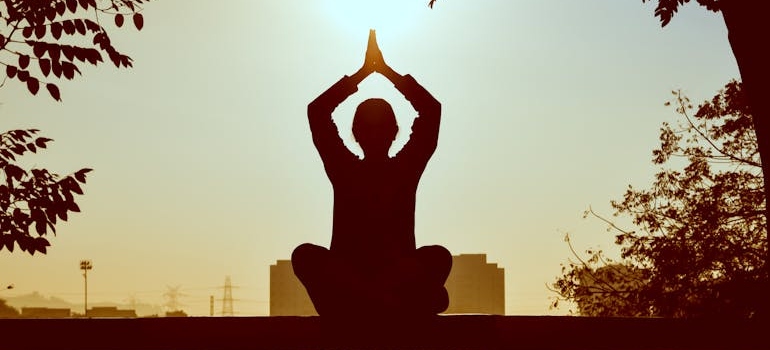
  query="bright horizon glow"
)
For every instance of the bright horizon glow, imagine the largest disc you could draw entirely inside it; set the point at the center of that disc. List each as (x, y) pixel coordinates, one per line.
(355, 16)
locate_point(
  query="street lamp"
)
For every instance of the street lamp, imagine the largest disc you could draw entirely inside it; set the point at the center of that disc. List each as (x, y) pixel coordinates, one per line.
(85, 265)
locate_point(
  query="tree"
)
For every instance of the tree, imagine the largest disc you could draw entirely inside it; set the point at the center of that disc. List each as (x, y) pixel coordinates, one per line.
(701, 238)
(7, 311)
(43, 40)
(747, 30)
(601, 287)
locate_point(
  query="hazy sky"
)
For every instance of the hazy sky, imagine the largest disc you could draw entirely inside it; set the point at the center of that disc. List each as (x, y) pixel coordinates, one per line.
(204, 165)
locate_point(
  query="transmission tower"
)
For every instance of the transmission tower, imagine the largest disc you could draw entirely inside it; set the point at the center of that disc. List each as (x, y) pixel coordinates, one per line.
(172, 295)
(227, 299)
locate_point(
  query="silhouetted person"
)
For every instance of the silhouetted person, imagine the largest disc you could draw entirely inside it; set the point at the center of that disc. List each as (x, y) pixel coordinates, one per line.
(373, 266)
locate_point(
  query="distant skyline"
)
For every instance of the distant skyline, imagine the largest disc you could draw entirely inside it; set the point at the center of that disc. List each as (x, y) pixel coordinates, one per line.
(204, 166)
(36, 299)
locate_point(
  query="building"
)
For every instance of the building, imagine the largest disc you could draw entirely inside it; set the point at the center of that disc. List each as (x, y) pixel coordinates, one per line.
(287, 294)
(474, 286)
(44, 312)
(110, 311)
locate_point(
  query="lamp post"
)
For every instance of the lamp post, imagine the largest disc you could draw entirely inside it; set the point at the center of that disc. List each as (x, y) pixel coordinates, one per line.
(85, 265)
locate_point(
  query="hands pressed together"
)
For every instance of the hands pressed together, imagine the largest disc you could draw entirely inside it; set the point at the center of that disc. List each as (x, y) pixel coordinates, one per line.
(374, 62)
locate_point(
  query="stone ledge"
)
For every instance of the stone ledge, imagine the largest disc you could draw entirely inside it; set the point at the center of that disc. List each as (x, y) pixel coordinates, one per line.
(443, 332)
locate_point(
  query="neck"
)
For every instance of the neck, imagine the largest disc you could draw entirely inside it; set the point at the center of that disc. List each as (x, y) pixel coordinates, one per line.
(376, 155)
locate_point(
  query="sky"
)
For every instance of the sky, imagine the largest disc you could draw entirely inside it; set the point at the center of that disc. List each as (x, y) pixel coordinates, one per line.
(204, 166)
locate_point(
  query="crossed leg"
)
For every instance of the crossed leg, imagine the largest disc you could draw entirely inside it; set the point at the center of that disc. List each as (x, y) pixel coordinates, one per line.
(411, 284)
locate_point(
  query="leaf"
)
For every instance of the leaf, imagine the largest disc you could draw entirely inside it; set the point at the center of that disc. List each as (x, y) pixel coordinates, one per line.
(68, 26)
(14, 172)
(39, 49)
(80, 53)
(40, 32)
(80, 175)
(10, 71)
(72, 5)
(119, 20)
(54, 51)
(41, 244)
(61, 7)
(50, 13)
(33, 85)
(62, 212)
(22, 75)
(56, 29)
(68, 69)
(126, 61)
(23, 61)
(91, 25)
(80, 26)
(54, 91)
(73, 207)
(50, 212)
(41, 141)
(27, 32)
(138, 21)
(40, 221)
(56, 69)
(7, 155)
(45, 66)
(93, 56)
(73, 186)
(84, 4)
(68, 51)
(2, 40)
(98, 38)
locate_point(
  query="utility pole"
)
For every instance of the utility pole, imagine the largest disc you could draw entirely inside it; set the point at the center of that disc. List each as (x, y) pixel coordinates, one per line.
(85, 265)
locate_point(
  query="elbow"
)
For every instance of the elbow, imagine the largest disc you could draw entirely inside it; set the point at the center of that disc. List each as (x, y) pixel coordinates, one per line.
(314, 109)
(433, 107)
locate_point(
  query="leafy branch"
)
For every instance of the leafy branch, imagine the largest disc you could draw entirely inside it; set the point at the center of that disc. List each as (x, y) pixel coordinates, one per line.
(32, 22)
(35, 197)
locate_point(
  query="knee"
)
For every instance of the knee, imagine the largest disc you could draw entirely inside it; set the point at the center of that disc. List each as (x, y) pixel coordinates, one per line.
(307, 251)
(435, 255)
(306, 256)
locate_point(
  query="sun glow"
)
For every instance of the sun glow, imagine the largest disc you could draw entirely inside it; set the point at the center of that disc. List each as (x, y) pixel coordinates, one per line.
(392, 16)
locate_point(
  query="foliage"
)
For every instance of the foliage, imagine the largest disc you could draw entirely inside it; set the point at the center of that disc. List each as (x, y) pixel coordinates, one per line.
(667, 8)
(601, 287)
(43, 39)
(35, 197)
(701, 242)
(7, 311)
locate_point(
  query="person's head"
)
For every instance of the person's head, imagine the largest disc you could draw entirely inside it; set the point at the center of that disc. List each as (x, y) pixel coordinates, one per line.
(374, 126)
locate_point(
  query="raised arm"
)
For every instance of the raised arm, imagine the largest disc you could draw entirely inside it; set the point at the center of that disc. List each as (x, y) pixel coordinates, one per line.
(325, 134)
(424, 137)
